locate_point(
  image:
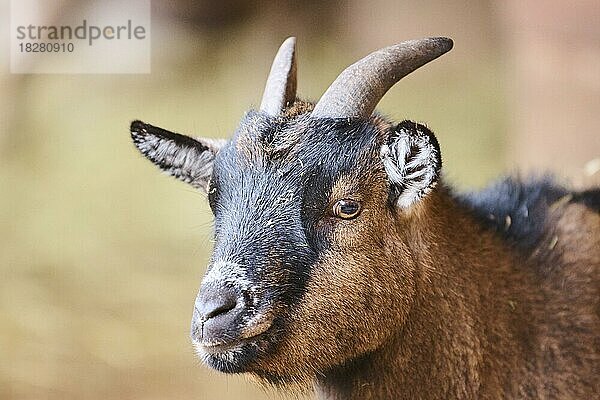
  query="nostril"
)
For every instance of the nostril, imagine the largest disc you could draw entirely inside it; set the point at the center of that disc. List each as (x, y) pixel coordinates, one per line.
(213, 302)
(222, 307)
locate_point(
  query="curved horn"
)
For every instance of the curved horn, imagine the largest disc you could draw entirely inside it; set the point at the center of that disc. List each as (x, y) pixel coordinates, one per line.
(280, 89)
(358, 89)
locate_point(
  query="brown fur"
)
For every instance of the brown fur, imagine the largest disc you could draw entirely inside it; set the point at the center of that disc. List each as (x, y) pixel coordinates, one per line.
(422, 301)
(459, 315)
(428, 304)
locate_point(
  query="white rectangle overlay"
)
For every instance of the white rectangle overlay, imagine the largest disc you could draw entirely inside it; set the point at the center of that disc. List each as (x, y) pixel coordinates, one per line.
(99, 37)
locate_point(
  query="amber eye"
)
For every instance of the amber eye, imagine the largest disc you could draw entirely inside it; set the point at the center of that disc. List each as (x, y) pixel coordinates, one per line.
(346, 209)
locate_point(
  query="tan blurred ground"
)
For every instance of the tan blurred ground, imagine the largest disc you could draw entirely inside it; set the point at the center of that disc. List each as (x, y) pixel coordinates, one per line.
(101, 256)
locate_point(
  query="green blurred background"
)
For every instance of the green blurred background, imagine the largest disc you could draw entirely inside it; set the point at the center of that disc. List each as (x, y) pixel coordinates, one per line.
(101, 256)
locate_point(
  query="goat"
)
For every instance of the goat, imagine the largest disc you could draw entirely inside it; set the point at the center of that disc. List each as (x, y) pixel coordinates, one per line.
(343, 262)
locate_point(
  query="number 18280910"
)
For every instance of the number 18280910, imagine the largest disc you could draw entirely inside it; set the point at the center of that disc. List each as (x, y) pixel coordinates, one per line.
(35, 47)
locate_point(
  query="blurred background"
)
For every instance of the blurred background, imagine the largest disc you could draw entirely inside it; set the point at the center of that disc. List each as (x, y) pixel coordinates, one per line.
(101, 255)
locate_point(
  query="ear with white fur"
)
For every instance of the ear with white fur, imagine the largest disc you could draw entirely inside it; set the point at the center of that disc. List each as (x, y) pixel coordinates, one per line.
(187, 159)
(412, 160)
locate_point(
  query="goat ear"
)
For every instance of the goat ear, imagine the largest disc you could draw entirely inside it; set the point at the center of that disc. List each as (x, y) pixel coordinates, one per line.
(185, 158)
(411, 157)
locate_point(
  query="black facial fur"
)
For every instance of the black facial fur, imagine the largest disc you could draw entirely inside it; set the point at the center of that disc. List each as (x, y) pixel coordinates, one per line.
(270, 192)
(276, 190)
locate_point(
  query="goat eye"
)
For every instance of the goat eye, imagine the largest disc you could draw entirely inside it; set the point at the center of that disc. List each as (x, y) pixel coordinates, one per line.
(346, 209)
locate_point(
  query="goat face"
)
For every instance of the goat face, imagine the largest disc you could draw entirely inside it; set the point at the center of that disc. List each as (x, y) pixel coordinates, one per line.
(308, 234)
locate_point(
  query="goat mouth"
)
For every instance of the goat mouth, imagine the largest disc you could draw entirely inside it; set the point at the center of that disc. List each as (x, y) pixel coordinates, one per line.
(218, 336)
(235, 356)
(247, 335)
(215, 348)
(232, 345)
